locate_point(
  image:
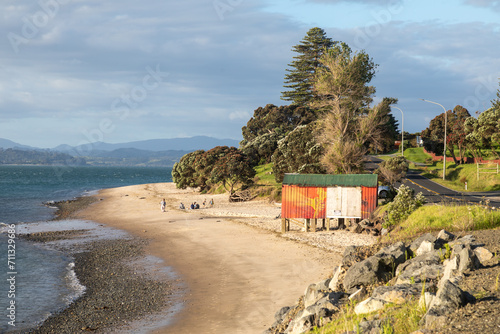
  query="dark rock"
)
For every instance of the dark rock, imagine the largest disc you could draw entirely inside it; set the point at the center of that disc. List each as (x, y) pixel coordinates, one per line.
(281, 314)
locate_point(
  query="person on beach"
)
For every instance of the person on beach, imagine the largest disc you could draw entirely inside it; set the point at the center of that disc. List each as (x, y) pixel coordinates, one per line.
(181, 206)
(163, 203)
(211, 202)
(205, 202)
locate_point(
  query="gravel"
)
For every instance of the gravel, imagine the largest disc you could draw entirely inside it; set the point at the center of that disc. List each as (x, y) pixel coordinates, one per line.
(119, 289)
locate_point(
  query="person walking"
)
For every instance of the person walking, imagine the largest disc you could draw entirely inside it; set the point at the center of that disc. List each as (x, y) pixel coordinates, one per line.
(163, 203)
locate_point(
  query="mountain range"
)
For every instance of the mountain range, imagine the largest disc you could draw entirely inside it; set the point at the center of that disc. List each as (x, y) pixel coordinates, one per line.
(154, 152)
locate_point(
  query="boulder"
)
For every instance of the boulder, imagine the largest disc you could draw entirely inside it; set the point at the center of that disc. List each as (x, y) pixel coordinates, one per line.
(281, 314)
(312, 295)
(397, 251)
(416, 243)
(372, 270)
(468, 260)
(334, 283)
(425, 247)
(483, 255)
(445, 236)
(449, 298)
(355, 228)
(369, 327)
(323, 285)
(397, 294)
(301, 325)
(425, 273)
(359, 295)
(369, 305)
(427, 265)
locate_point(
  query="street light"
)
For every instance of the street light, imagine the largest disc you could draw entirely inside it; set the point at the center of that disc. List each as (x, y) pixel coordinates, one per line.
(445, 120)
(402, 130)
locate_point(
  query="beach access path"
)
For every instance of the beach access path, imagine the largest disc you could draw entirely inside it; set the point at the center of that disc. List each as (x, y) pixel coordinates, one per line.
(236, 274)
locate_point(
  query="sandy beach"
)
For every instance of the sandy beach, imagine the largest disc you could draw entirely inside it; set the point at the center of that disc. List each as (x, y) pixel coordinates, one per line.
(237, 269)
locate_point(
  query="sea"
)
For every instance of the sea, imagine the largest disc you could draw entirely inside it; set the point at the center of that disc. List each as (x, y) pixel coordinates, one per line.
(37, 281)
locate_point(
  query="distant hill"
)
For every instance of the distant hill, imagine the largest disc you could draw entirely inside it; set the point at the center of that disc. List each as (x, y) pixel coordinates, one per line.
(154, 152)
(173, 144)
(12, 156)
(5, 143)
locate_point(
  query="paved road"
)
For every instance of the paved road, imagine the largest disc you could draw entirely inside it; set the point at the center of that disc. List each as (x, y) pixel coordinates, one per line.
(435, 193)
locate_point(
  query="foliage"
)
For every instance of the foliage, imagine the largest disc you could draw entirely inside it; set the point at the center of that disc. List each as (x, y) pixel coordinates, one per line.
(184, 172)
(392, 170)
(232, 169)
(403, 205)
(299, 78)
(200, 169)
(298, 152)
(451, 217)
(349, 127)
(270, 124)
(456, 133)
(390, 127)
(485, 130)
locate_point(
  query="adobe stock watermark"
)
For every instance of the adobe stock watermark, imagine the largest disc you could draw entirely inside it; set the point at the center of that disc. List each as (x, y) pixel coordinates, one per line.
(120, 109)
(224, 6)
(374, 28)
(32, 24)
(484, 92)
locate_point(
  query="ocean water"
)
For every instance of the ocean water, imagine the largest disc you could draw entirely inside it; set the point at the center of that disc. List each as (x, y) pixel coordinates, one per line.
(40, 279)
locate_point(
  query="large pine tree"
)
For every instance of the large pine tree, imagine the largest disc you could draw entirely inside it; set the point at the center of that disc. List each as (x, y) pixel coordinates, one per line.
(300, 76)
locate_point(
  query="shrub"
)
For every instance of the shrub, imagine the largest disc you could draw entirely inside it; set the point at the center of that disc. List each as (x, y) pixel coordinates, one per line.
(403, 205)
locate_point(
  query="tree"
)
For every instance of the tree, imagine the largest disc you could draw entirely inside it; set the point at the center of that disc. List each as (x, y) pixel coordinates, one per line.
(184, 171)
(232, 169)
(303, 69)
(349, 127)
(484, 132)
(298, 152)
(389, 127)
(270, 124)
(392, 170)
(456, 137)
(456, 133)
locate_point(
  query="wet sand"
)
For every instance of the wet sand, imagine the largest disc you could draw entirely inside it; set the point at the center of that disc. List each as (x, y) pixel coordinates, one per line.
(237, 276)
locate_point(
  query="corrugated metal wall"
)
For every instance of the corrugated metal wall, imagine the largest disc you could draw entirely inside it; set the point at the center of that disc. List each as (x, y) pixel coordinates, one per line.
(303, 202)
(369, 201)
(310, 202)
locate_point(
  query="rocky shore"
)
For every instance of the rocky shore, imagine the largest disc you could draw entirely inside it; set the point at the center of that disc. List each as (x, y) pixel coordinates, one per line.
(451, 281)
(120, 290)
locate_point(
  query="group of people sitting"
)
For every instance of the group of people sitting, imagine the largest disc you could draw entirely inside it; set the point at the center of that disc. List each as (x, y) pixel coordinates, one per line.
(195, 205)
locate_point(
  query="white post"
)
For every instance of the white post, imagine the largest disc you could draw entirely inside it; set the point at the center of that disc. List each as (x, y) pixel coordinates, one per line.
(445, 121)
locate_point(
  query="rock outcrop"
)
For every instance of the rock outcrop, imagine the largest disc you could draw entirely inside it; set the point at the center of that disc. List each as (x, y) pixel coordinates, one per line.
(429, 270)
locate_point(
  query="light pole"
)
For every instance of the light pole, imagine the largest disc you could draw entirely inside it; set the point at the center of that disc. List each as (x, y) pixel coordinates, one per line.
(445, 120)
(402, 130)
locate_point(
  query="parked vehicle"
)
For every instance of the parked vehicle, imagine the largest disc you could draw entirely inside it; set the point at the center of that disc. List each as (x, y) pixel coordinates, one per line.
(383, 191)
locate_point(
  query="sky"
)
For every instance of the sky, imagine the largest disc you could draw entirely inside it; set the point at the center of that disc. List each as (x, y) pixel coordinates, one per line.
(80, 71)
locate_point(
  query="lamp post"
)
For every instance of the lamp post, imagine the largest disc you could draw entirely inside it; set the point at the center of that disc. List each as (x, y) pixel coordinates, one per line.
(402, 130)
(445, 120)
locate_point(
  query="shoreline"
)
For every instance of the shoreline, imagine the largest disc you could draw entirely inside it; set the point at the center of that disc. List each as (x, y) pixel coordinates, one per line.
(126, 290)
(237, 270)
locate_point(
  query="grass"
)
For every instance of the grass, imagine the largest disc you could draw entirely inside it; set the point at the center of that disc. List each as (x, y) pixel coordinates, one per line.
(451, 217)
(457, 175)
(416, 154)
(265, 184)
(404, 319)
(265, 175)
